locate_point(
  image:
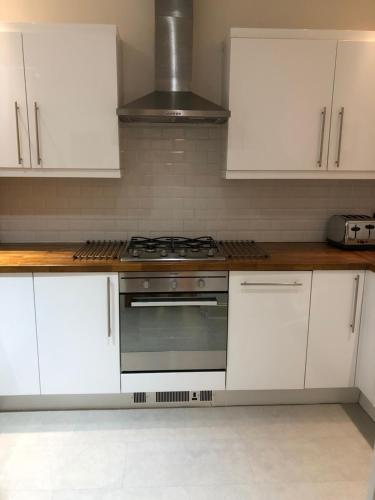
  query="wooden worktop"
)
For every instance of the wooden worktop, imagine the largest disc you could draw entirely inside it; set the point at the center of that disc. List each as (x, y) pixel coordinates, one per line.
(58, 257)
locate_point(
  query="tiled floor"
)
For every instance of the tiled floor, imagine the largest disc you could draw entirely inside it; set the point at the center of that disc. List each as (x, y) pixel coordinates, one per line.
(263, 453)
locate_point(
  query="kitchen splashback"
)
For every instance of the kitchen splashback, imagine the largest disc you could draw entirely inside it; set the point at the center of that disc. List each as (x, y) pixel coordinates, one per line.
(172, 185)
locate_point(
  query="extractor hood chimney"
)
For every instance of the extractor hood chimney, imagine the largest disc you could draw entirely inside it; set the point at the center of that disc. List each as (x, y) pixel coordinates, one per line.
(173, 100)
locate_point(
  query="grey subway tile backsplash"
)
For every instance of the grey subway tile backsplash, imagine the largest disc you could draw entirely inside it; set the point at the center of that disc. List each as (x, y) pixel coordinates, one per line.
(172, 184)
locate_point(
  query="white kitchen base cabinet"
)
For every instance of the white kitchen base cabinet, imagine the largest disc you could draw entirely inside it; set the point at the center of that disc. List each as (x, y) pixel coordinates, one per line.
(267, 332)
(78, 333)
(19, 372)
(335, 315)
(365, 376)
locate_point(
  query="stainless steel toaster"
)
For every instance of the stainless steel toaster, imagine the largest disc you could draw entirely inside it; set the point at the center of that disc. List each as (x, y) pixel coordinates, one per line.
(352, 231)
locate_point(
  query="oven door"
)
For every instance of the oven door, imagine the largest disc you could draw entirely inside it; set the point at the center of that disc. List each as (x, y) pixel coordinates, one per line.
(173, 331)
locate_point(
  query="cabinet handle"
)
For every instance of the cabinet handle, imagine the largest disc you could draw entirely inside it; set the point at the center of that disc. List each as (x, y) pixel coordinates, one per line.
(324, 115)
(36, 112)
(356, 291)
(341, 115)
(109, 330)
(16, 109)
(294, 283)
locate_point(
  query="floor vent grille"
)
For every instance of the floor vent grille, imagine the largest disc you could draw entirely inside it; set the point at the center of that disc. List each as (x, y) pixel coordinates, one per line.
(172, 397)
(139, 397)
(206, 396)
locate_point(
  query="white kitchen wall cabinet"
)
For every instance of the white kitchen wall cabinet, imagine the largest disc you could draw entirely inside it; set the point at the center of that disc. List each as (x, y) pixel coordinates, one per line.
(365, 376)
(77, 319)
(19, 371)
(267, 331)
(278, 91)
(353, 109)
(14, 132)
(70, 76)
(297, 96)
(335, 314)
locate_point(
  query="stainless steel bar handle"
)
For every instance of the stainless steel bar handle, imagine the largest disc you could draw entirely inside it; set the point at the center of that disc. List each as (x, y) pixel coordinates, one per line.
(356, 292)
(324, 115)
(174, 303)
(294, 283)
(36, 111)
(16, 109)
(341, 115)
(109, 329)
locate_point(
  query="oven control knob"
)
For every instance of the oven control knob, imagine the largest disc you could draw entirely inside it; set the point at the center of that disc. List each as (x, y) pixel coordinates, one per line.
(146, 284)
(174, 284)
(201, 283)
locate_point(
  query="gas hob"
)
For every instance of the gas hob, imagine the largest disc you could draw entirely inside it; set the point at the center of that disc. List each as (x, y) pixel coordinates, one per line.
(171, 248)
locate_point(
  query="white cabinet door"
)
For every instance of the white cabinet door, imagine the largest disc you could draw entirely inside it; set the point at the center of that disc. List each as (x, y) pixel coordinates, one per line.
(267, 334)
(335, 313)
(14, 133)
(353, 110)
(365, 376)
(78, 333)
(19, 372)
(278, 90)
(71, 84)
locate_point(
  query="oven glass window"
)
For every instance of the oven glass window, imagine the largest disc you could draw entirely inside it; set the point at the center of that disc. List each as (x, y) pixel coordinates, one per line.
(172, 332)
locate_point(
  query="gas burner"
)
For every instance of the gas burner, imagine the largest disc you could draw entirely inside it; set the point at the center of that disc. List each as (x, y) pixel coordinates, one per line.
(172, 248)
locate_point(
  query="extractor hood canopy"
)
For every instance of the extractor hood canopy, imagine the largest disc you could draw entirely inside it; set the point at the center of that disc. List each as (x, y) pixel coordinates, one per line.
(173, 100)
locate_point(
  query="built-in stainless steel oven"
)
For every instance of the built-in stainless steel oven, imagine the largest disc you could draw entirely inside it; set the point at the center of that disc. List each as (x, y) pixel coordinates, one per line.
(174, 321)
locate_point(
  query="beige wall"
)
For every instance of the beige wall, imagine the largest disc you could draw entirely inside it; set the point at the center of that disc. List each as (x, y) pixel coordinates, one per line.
(213, 18)
(134, 18)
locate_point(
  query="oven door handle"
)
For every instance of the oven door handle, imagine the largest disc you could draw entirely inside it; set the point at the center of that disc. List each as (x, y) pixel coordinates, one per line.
(174, 303)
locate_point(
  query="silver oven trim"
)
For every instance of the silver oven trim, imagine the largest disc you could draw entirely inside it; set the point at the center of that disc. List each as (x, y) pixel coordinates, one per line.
(174, 282)
(177, 303)
(173, 361)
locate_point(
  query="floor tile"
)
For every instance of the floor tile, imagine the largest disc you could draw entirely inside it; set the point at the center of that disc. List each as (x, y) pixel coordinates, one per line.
(187, 463)
(310, 491)
(309, 459)
(25, 495)
(142, 493)
(63, 460)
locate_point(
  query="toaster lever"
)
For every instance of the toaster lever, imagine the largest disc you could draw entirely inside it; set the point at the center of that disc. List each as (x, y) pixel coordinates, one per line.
(370, 227)
(355, 230)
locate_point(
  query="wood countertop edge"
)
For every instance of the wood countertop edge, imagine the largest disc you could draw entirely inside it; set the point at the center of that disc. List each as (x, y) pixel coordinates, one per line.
(56, 258)
(230, 266)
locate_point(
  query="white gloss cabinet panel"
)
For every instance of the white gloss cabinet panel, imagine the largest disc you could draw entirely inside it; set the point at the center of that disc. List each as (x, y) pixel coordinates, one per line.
(365, 376)
(267, 333)
(335, 314)
(71, 80)
(352, 144)
(173, 381)
(14, 133)
(19, 372)
(78, 333)
(278, 89)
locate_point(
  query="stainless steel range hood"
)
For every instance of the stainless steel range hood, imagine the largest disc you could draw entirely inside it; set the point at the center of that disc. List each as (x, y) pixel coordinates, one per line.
(173, 100)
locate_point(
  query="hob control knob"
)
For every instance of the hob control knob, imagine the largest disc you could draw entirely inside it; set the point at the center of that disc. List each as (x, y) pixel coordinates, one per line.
(201, 283)
(174, 284)
(146, 284)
